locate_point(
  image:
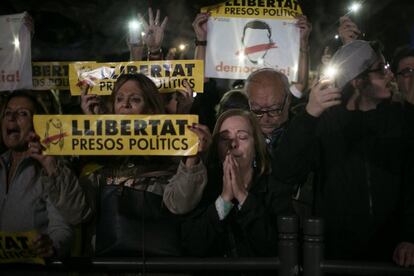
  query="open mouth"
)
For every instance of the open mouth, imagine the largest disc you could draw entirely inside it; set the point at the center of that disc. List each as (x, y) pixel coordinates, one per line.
(13, 131)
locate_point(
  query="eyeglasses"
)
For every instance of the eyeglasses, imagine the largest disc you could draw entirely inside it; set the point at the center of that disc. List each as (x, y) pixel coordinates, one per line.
(275, 112)
(20, 113)
(383, 69)
(406, 72)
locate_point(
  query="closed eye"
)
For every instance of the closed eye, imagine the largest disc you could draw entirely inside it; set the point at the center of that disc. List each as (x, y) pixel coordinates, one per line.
(136, 99)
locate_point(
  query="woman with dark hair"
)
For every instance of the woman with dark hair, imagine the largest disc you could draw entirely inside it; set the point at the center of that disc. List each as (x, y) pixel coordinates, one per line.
(127, 192)
(238, 211)
(39, 192)
(130, 93)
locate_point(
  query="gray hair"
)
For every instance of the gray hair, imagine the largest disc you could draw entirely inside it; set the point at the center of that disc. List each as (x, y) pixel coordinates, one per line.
(272, 71)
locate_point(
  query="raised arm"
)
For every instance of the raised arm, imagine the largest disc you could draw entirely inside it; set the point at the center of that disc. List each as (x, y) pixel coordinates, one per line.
(154, 34)
(185, 188)
(61, 184)
(305, 28)
(348, 30)
(200, 30)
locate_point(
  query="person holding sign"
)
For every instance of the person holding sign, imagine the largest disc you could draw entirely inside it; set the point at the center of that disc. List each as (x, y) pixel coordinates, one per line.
(270, 98)
(130, 189)
(39, 192)
(237, 214)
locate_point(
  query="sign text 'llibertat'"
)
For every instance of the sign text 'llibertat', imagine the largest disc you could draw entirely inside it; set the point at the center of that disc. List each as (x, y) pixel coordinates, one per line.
(167, 75)
(17, 247)
(291, 4)
(157, 70)
(154, 128)
(117, 134)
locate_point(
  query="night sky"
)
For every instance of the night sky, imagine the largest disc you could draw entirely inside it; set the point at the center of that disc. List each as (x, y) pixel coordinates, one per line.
(96, 29)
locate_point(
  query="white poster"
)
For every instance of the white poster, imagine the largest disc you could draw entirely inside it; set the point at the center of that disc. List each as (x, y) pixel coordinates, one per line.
(244, 39)
(15, 53)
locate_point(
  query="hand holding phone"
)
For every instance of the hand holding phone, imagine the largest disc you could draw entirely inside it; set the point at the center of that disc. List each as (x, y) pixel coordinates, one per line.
(134, 28)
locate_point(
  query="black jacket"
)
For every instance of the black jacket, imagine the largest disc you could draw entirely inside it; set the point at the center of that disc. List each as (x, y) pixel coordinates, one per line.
(360, 186)
(248, 232)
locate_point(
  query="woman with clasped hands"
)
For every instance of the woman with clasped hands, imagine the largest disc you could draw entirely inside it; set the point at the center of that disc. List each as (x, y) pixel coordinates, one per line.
(238, 212)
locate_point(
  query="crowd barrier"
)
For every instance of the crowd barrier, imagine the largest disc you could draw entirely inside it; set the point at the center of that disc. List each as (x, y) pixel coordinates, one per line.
(290, 261)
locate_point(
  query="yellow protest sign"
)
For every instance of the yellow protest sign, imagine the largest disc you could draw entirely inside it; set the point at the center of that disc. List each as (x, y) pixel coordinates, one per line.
(273, 9)
(117, 134)
(17, 247)
(168, 75)
(51, 75)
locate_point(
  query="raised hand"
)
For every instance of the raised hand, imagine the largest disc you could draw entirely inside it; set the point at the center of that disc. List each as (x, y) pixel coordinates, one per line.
(185, 99)
(348, 30)
(90, 103)
(200, 26)
(305, 28)
(35, 149)
(322, 97)
(154, 31)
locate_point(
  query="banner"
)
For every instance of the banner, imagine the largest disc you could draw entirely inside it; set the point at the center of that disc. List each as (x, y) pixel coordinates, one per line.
(257, 34)
(168, 75)
(50, 75)
(15, 53)
(117, 134)
(17, 248)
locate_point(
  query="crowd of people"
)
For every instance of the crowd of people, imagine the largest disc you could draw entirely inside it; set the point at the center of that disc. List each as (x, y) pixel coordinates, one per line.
(349, 149)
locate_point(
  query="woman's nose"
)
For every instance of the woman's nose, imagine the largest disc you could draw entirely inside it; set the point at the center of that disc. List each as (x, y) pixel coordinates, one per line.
(126, 103)
(234, 143)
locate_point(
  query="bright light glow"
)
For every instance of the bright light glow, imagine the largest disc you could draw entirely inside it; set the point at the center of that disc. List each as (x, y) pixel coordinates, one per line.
(142, 33)
(260, 61)
(295, 69)
(16, 43)
(194, 94)
(330, 72)
(336, 36)
(355, 7)
(182, 47)
(134, 25)
(241, 56)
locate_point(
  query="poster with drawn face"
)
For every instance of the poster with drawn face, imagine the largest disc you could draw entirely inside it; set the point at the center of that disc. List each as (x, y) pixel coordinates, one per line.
(244, 39)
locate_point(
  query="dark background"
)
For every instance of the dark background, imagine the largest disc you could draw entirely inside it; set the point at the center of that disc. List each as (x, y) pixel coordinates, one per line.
(72, 30)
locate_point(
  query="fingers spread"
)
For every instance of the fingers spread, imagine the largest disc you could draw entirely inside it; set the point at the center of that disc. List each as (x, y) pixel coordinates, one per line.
(164, 23)
(150, 17)
(143, 22)
(157, 17)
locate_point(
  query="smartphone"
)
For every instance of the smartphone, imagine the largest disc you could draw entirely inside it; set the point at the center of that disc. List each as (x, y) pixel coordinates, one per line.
(134, 28)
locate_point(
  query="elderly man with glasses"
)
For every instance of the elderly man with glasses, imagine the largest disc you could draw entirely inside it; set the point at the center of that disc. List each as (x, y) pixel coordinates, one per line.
(269, 99)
